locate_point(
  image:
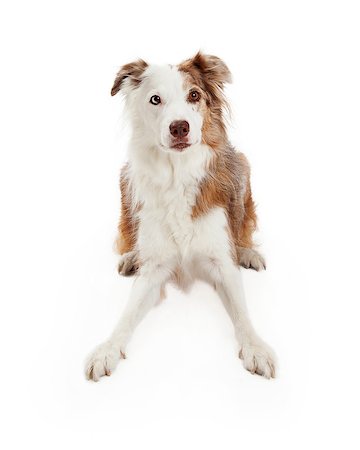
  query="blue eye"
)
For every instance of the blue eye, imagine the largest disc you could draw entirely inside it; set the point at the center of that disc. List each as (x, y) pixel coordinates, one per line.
(155, 100)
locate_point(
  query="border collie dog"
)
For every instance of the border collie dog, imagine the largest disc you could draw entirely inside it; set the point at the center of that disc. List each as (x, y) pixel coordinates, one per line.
(186, 206)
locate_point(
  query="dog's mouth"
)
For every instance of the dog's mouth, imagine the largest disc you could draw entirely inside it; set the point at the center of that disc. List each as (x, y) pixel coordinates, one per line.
(180, 146)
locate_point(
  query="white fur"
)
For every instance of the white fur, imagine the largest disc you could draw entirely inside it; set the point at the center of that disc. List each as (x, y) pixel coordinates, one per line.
(165, 183)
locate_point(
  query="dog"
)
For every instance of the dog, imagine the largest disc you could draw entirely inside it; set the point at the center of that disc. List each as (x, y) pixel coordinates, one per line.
(186, 207)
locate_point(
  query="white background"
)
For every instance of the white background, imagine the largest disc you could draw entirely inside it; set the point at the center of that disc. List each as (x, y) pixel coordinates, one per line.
(296, 108)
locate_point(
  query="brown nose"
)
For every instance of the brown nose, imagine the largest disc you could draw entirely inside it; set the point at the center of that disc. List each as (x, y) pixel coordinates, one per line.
(179, 128)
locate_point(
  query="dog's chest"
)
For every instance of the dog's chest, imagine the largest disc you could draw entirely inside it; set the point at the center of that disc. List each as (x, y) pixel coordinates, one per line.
(167, 189)
(168, 232)
(167, 210)
(167, 193)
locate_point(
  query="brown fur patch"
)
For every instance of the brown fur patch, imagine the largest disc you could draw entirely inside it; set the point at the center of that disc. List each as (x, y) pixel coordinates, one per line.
(128, 225)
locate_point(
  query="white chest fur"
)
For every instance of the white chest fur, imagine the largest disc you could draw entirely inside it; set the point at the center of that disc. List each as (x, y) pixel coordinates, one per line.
(166, 186)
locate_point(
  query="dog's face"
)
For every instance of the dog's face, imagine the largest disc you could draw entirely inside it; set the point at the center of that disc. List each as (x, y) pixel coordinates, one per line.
(175, 107)
(170, 110)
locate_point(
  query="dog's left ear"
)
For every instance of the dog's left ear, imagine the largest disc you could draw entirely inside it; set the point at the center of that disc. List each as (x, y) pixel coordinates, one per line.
(132, 71)
(212, 68)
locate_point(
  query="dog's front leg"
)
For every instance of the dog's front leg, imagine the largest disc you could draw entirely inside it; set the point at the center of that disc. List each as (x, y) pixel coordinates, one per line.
(257, 356)
(145, 293)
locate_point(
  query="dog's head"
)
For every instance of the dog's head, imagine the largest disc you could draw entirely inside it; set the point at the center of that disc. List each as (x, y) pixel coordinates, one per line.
(175, 107)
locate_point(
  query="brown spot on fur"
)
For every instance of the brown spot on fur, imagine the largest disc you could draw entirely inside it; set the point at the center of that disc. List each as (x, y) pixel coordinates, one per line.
(162, 293)
(128, 224)
(133, 71)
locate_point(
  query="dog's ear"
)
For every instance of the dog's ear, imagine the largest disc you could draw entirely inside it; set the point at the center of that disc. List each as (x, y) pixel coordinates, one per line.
(212, 68)
(133, 71)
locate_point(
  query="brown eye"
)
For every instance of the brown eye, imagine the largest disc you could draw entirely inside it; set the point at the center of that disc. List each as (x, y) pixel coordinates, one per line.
(194, 96)
(155, 100)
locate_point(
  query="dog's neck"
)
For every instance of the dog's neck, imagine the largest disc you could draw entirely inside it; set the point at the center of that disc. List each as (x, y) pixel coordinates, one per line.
(152, 168)
(155, 161)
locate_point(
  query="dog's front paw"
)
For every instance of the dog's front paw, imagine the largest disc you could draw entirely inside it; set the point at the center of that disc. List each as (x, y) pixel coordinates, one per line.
(102, 361)
(258, 358)
(128, 264)
(250, 259)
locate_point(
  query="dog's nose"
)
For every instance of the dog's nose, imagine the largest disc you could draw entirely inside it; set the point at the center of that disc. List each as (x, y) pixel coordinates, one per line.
(179, 128)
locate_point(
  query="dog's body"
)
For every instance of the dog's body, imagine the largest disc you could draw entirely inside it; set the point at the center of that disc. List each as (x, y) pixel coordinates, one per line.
(187, 210)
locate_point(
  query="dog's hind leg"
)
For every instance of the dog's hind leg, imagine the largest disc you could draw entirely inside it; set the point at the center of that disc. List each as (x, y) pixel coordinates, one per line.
(145, 293)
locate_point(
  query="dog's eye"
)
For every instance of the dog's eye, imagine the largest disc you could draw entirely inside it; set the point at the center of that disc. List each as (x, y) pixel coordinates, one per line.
(155, 100)
(194, 96)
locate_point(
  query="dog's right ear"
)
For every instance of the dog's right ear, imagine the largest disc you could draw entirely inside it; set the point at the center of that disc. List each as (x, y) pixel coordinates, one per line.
(132, 71)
